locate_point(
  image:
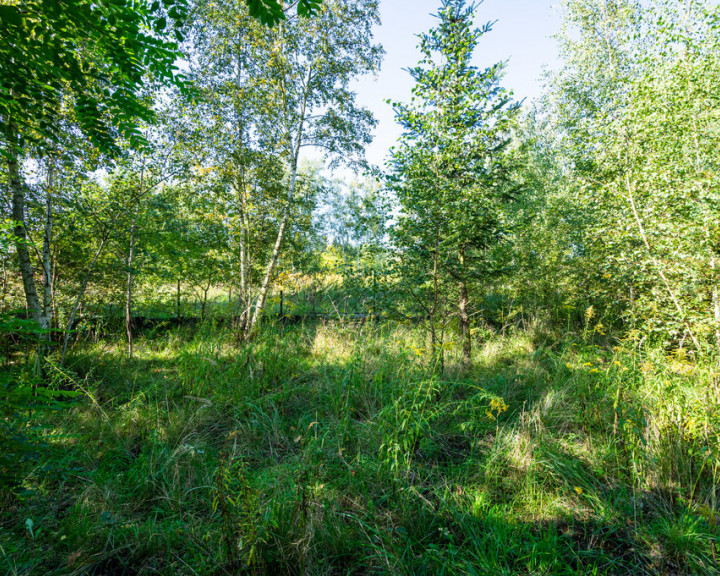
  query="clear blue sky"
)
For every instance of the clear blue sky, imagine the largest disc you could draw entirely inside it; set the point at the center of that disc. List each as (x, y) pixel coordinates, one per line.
(522, 35)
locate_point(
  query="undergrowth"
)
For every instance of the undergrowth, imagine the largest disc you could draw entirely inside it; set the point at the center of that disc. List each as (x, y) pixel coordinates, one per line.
(339, 449)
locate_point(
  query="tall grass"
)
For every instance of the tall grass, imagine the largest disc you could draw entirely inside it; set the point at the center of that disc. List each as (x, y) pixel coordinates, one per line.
(340, 449)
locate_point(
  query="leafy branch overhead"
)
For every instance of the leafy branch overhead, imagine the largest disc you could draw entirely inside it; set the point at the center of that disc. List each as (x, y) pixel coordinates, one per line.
(271, 12)
(97, 59)
(92, 57)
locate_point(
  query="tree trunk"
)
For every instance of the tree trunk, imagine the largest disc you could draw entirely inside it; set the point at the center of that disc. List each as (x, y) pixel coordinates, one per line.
(128, 293)
(3, 296)
(17, 188)
(46, 252)
(55, 276)
(177, 301)
(313, 297)
(204, 301)
(131, 250)
(463, 314)
(244, 237)
(436, 297)
(294, 154)
(272, 263)
(240, 185)
(442, 345)
(465, 323)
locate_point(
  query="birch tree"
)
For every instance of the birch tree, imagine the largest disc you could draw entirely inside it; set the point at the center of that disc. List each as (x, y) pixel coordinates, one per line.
(635, 102)
(271, 94)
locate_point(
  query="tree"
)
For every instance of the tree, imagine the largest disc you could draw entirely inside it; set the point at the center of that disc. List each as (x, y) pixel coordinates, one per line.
(86, 62)
(309, 67)
(451, 170)
(635, 105)
(274, 92)
(272, 12)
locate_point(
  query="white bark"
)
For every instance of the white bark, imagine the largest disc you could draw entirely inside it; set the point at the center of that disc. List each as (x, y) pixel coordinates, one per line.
(269, 271)
(46, 252)
(17, 188)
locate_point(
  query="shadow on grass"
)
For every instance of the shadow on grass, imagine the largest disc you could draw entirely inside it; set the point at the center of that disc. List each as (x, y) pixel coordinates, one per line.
(336, 450)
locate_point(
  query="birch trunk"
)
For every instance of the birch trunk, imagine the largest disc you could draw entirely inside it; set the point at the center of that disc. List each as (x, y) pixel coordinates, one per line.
(464, 314)
(433, 310)
(244, 237)
(240, 185)
(46, 253)
(272, 263)
(293, 155)
(128, 293)
(131, 250)
(17, 188)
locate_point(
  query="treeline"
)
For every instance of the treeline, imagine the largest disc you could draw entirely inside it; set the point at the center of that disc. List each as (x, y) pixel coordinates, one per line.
(594, 209)
(166, 148)
(161, 155)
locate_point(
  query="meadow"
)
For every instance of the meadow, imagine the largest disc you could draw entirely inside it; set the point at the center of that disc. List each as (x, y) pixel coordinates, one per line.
(335, 447)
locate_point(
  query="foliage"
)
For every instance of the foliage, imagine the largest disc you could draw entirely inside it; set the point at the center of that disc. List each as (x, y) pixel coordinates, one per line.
(451, 171)
(636, 115)
(96, 54)
(272, 12)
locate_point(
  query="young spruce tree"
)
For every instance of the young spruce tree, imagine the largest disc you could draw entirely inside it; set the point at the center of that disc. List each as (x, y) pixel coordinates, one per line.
(451, 170)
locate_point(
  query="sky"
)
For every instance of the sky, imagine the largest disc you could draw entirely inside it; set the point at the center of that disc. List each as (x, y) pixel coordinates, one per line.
(521, 35)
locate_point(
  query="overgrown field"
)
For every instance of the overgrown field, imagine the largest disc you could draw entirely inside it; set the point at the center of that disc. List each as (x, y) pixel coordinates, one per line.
(338, 449)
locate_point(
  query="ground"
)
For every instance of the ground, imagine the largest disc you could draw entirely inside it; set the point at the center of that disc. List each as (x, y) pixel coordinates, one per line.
(338, 448)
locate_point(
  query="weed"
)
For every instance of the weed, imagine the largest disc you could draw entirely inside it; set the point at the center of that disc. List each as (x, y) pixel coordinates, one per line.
(335, 449)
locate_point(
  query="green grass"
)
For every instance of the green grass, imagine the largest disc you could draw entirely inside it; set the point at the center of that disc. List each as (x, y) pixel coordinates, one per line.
(337, 449)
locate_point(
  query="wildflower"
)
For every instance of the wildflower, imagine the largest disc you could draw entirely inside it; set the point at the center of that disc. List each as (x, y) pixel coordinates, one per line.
(578, 490)
(497, 407)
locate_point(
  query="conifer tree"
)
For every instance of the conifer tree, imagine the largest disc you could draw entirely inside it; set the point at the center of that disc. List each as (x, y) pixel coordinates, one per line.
(451, 170)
